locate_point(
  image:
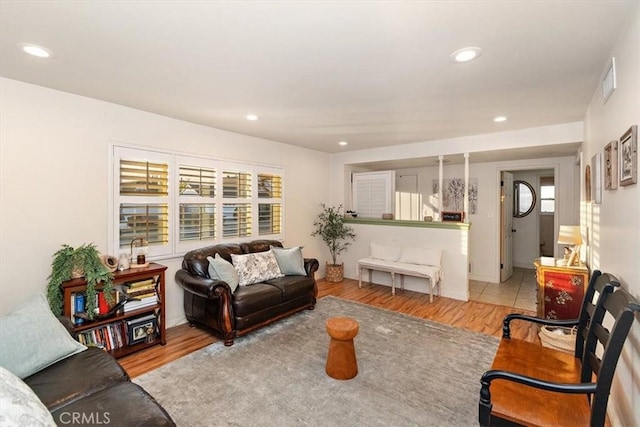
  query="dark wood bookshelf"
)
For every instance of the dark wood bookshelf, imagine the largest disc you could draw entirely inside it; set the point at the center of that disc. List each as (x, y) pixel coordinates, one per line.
(153, 271)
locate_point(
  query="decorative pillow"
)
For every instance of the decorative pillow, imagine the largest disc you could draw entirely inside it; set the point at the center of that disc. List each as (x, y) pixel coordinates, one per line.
(256, 267)
(290, 260)
(386, 253)
(221, 269)
(421, 256)
(20, 405)
(32, 338)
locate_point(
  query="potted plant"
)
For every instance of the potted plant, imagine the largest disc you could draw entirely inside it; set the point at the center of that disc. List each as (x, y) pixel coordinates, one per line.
(331, 228)
(84, 261)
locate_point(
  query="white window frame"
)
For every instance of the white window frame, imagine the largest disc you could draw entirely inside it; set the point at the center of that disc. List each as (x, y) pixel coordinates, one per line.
(175, 247)
(119, 152)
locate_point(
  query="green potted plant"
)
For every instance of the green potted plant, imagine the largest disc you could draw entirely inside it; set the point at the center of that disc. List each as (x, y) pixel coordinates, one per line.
(84, 261)
(330, 226)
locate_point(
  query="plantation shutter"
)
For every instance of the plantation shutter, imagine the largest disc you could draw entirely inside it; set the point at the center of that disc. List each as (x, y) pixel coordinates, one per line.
(196, 202)
(373, 193)
(270, 203)
(236, 203)
(142, 199)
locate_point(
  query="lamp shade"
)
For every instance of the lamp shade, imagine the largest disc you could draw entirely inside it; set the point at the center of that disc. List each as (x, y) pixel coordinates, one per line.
(569, 235)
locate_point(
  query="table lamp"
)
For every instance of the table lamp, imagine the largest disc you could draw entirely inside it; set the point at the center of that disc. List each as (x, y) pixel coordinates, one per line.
(570, 235)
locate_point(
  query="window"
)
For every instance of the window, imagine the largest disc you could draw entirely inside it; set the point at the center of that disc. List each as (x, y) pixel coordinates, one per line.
(524, 199)
(236, 211)
(142, 200)
(178, 203)
(373, 193)
(270, 203)
(547, 195)
(196, 202)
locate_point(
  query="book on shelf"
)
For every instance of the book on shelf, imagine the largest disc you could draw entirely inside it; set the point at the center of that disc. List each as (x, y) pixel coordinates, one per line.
(141, 303)
(108, 337)
(140, 284)
(103, 305)
(78, 307)
(141, 293)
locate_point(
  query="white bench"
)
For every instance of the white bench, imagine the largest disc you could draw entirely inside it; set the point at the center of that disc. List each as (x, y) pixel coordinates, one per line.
(416, 262)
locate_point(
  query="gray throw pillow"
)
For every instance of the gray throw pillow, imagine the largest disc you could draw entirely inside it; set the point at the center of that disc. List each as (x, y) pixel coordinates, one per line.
(290, 260)
(33, 338)
(221, 269)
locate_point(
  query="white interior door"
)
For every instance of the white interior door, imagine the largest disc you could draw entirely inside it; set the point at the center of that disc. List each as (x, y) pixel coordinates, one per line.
(506, 227)
(407, 200)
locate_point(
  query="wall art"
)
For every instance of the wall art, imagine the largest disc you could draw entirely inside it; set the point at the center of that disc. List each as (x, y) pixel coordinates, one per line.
(611, 166)
(453, 194)
(629, 156)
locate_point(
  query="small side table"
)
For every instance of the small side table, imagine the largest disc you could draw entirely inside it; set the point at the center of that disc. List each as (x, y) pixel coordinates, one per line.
(560, 288)
(341, 359)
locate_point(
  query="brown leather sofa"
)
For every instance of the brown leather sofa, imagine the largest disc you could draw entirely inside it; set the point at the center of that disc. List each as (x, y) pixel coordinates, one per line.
(91, 388)
(211, 303)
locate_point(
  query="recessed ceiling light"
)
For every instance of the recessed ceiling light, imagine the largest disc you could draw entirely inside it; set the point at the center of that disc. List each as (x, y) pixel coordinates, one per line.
(465, 54)
(342, 143)
(251, 117)
(34, 50)
(500, 119)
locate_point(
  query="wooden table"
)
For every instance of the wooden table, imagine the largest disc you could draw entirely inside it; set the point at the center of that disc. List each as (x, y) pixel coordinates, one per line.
(341, 359)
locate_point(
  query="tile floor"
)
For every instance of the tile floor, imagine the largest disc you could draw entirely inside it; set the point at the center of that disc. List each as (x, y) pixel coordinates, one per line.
(518, 292)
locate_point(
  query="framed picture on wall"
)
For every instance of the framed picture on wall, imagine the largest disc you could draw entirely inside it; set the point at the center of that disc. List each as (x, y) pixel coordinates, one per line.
(611, 166)
(629, 156)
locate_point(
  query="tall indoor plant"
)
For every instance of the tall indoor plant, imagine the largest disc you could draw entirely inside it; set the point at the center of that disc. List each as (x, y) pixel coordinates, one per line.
(330, 226)
(71, 263)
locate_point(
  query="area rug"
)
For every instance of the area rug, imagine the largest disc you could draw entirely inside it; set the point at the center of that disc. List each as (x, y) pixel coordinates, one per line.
(411, 372)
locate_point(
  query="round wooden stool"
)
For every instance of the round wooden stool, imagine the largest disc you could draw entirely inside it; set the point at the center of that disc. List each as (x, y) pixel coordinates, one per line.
(341, 360)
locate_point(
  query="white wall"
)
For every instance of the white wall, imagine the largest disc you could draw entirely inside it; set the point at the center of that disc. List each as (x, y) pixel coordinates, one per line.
(53, 175)
(614, 226)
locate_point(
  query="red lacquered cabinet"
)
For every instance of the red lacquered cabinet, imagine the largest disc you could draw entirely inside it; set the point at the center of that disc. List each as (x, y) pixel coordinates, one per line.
(560, 288)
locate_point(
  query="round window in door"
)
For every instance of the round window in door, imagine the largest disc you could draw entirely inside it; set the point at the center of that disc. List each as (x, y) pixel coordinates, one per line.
(524, 199)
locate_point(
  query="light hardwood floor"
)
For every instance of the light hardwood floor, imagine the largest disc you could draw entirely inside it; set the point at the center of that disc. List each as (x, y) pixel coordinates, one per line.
(475, 316)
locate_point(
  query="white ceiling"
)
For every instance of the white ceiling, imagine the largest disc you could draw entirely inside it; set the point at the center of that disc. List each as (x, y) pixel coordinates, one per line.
(318, 72)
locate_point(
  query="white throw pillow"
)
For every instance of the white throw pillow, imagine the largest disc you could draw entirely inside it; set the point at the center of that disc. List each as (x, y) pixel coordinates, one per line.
(421, 256)
(386, 253)
(19, 405)
(32, 338)
(256, 267)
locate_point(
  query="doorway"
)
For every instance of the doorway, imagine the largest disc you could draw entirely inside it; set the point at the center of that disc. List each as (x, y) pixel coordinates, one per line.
(527, 217)
(407, 197)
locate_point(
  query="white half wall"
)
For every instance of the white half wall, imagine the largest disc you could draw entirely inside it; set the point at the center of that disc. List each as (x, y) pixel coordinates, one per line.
(53, 171)
(453, 243)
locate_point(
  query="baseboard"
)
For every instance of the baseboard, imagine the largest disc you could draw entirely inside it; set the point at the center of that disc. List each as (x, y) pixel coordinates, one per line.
(482, 278)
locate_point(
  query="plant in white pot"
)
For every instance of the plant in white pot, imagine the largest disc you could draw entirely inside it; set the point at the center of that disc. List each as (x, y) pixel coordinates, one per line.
(330, 226)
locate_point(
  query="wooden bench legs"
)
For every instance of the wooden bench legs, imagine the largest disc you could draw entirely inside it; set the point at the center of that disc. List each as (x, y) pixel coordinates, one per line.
(393, 281)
